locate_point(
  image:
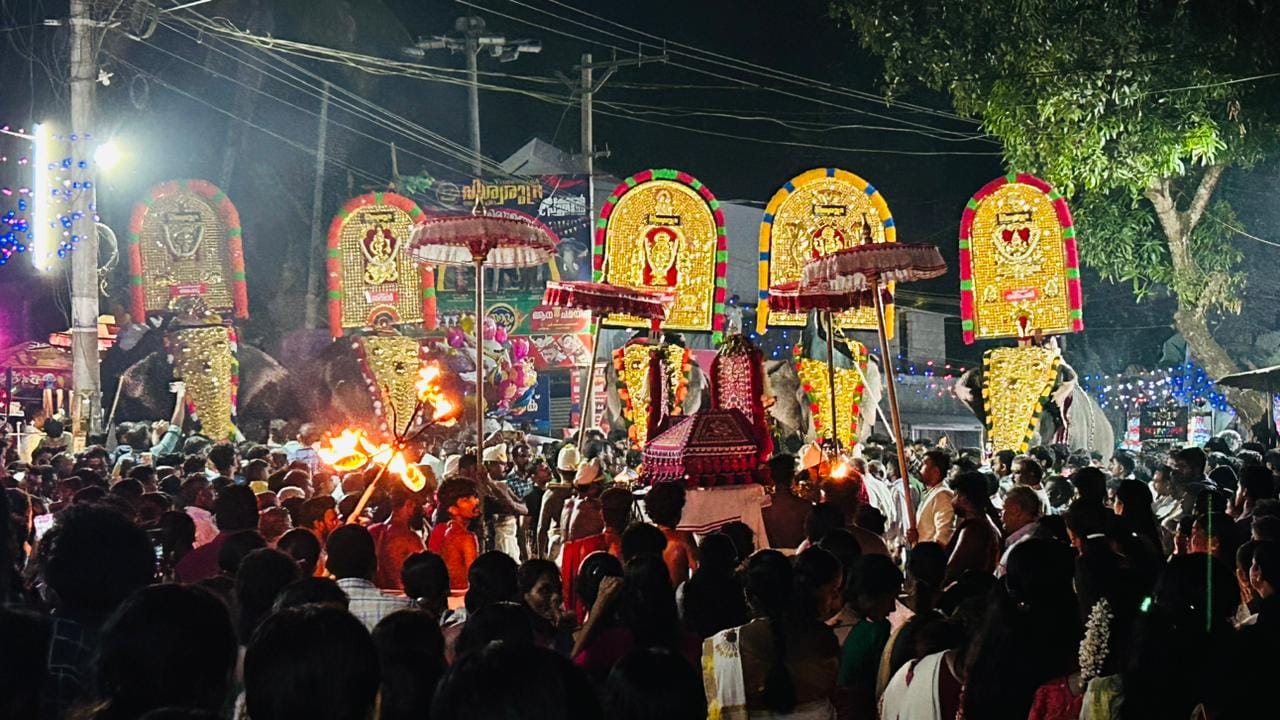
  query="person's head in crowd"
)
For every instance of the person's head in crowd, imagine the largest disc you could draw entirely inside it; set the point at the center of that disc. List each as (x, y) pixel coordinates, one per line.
(594, 568)
(234, 549)
(844, 546)
(926, 571)
(541, 589)
(1188, 465)
(647, 606)
(971, 500)
(1091, 485)
(615, 507)
(256, 471)
(1122, 464)
(767, 584)
(145, 474)
(459, 498)
(1256, 484)
(63, 464)
(1214, 533)
(935, 467)
(505, 622)
(302, 479)
(222, 458)
(1022, 507)
(320, 516)
(782, 472)
(819, 583)
(1002, 462)
(316, 662)
(1047, 458)
(426, 581)
(522, 680)
(267, 499)
(874, 586)
(742, 536)
(642, 539)
(1085, 519)
(235, 508)
(311, 591)
(1199, 591)
(303, 546)
(822, 519)
(290, 492)
(196, 491)
(350, 553)
(1264, 570)
(263, 574)
(88, 495)
(492, 578)
(629, 691)
(153, 654)
(151, 506)
(96, 557)
(411, 659)
(194, 466)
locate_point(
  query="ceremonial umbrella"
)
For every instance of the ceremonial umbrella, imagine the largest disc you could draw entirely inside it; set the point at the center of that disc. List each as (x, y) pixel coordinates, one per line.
(603, 299)
(796, 297)
(1263, 379)
(855, 272)
(498, 240)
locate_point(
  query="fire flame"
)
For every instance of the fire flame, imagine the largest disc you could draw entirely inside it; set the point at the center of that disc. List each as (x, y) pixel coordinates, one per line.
(443, 410)
(350, 450)
(841, 469)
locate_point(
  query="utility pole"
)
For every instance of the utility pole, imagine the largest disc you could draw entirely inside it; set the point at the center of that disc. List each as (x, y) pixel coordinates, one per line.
(85, 378)
(471, 40)
(317, 209)
(587, 87)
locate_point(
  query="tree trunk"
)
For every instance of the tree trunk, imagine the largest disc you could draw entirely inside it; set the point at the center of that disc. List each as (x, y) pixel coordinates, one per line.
(1190, 318)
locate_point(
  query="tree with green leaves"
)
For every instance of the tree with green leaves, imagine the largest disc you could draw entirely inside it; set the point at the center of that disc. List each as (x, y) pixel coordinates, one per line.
(1132, 108)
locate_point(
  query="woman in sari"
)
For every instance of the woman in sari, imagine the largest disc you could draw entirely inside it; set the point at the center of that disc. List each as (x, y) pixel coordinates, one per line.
(783, 663)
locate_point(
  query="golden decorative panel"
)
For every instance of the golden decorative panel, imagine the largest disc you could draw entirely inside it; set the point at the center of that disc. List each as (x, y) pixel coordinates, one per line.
(1016, 384)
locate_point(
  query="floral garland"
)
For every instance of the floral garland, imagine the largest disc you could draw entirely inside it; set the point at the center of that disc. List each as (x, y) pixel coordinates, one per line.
(1096, 643)
(631, 365)
(850, 386)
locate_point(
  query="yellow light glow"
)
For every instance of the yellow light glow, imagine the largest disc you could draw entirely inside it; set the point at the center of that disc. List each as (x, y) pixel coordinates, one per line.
(107, 155)
(346, 452)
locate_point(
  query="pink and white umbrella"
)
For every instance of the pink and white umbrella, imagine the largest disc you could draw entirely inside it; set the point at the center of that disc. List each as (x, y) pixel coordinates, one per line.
(859, 271)
(499, 239)
(602, 300)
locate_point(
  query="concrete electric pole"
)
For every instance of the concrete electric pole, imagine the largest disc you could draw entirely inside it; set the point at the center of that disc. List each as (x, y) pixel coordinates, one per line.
(472, 39)
(85, 378)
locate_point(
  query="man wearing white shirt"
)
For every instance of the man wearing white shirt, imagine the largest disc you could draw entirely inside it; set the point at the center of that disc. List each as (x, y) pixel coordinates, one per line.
(1028, 472)
(935, 521)
(1018, 516)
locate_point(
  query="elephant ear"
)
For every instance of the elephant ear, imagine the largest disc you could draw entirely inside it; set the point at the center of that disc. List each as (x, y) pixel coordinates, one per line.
(968, 390)
(872, 391)
(1068, 381)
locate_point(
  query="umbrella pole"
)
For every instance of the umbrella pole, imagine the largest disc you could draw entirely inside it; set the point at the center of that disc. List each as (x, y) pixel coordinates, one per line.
(889, 374)
(587, 412)
(831, 378)
(479, 265)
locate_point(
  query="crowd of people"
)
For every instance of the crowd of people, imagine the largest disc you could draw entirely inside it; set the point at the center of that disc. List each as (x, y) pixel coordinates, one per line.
(172, 576)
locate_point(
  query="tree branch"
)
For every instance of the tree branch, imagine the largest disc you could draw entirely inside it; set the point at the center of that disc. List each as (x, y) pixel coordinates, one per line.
(1203, 193)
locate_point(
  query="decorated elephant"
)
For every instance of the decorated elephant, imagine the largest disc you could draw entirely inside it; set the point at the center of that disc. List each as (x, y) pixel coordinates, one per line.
(204, 357)
(1070, 416)
(790, 409)
(621, 410)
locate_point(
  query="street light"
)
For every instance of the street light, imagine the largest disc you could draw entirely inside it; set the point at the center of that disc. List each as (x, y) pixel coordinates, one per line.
(41, 220)
(107, 155)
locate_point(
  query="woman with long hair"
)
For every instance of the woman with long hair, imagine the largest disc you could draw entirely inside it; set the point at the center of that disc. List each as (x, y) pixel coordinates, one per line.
(783, 663)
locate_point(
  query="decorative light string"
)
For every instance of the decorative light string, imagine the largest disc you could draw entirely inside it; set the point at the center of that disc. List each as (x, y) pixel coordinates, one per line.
(48, 204)
(1185, 383)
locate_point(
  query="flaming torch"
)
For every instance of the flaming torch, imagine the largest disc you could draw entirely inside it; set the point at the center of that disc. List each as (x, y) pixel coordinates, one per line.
(351, 451)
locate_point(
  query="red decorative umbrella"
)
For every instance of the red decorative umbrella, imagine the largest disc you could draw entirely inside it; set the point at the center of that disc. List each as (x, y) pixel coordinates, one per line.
(705, 449)
(603, 299)
(853, 272)
(498, 239)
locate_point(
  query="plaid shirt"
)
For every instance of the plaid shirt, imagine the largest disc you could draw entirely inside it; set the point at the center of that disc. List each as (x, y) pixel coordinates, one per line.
(368, 603)
(70, 653)
(520, 485)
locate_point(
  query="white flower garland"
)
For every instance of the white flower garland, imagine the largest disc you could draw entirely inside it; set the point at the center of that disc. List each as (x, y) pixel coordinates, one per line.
(1095, 645)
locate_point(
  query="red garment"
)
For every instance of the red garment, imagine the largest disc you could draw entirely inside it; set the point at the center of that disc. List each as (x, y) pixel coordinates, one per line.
(1054, 700)
(571, 559)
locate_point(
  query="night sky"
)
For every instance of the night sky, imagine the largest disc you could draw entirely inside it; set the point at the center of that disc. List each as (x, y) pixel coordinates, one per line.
(170, 98)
